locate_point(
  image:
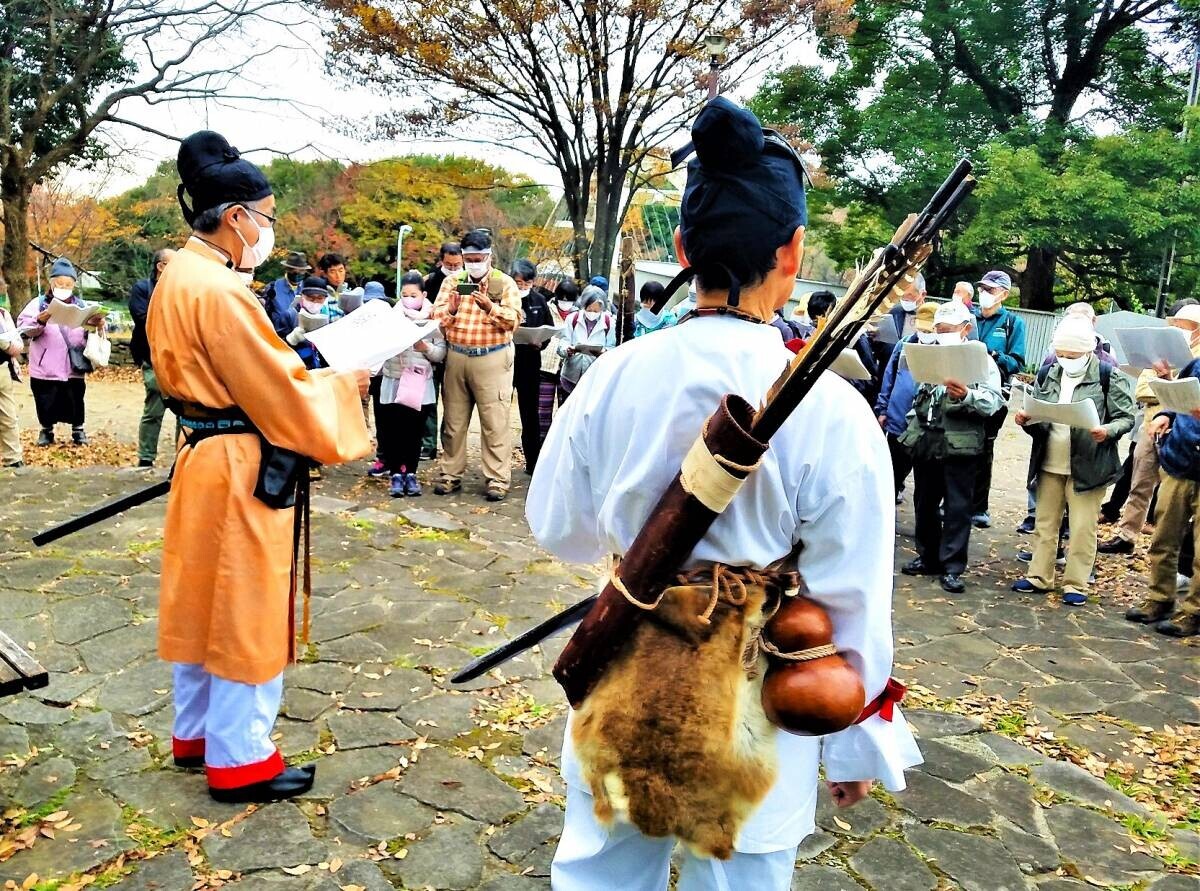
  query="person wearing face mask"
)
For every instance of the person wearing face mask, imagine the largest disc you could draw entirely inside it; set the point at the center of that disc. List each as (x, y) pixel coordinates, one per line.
(646, 320)
(478, 309)
(536, 312)
(227, 601)
(945, 436)
(896, 393)
(406, 393)
(1145, 471)
(964, 293)
(1003, 333)
(904, 313)
(588, 332)
(450, 263)
(58, 389)
(153, 408)
(313, 307)
(566, 294)
(1073, 467)
(279, 298)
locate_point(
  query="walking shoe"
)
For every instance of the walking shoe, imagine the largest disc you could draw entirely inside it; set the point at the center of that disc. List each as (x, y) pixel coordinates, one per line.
(292, 782)
(1149, 612)
(46, 437)
(1024, 586)
(377, 470)
(143, 463)
(1074, 598)
(446, 486)
(1182, 582)
(1115, 545)
(397, 490)
(952, 584)
(14, 465)
(982, 521)
(428, 454)
(495, 492)
(1027, 524)
(1180, 626)
(412, 488)
(1025, 555)
(79, 436)
(919, 567)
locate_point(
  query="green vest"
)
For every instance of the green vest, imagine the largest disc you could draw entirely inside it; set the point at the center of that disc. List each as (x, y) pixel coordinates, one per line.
(939, 427)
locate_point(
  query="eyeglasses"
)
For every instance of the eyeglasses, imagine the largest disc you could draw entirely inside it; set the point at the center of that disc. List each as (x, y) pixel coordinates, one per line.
(265, 216)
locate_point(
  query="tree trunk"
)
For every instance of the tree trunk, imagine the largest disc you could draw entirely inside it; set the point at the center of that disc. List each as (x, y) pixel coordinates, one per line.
(607, 229)
(1037, 282)
(14, 261)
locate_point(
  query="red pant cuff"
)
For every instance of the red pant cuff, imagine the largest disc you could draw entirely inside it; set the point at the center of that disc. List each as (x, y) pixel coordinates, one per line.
(187, 748)
(245, 774)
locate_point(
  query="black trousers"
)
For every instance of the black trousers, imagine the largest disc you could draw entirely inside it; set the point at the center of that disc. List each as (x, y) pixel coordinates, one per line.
(400, 429)
(58, 402)
(983, 473)
(902, 462)
(947, 483)
(527, 382)
(1116, 499)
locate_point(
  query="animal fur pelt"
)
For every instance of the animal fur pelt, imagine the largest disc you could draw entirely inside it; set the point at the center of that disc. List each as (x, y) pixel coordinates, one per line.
(673, 739)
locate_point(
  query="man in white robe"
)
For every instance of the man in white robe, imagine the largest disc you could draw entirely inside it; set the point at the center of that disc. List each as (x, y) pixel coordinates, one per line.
(825, 483)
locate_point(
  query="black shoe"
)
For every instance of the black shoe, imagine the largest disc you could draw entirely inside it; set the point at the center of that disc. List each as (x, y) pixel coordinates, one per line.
(1115, 545)
(46, 438)
(952, 584)
(919, 567)
(145, 462)
(292, 782)
(428, 454)
(982, 520)
(1180, 626)
(1149, 612)
(79, 436)
(1027, 524)
(191, 762)
(14, 465)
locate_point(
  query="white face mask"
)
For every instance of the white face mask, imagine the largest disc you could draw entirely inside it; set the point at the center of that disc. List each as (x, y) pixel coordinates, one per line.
(1073, 366)
(990, 301)
(254, 255)
(446, 270)
(524, 293)
(565, 306)
(477, 270)
(949, 339)
(61, 293)
(591, 316)
(926, 337)
(908, 305)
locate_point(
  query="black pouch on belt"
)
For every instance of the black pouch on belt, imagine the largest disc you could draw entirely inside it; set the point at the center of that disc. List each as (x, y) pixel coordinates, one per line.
(279, 472)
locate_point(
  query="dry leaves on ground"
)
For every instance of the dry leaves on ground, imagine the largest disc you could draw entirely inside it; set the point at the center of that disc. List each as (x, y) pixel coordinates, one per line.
(103, 449)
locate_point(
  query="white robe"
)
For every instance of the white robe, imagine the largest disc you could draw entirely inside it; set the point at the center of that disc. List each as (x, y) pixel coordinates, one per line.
(826, 481)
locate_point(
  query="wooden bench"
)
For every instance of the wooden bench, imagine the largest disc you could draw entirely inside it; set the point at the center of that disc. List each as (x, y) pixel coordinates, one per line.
(18, 670)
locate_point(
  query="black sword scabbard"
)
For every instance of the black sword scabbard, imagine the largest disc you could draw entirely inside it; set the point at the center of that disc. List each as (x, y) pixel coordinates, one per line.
(103, 512)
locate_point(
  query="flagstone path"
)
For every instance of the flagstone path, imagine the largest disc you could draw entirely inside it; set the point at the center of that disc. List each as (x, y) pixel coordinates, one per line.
(423, 786)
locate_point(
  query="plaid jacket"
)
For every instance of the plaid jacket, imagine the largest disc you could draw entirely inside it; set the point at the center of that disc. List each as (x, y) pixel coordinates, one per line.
(470, 326)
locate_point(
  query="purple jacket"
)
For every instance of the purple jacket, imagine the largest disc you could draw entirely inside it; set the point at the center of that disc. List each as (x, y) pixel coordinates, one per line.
(48, 359)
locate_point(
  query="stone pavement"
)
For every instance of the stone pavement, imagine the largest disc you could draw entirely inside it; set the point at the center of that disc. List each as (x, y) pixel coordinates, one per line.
(424, 786)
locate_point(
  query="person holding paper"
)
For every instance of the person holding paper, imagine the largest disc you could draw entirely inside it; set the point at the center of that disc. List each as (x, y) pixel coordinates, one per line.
(227, 600)
(332, 268)
(536, 312)
(1073, 467)
(1145, 472)
(896, 393)
(279, 297)
(1178, 437)
(314, 310)
(945, 436)
(406, 394)
(58, 387)
(588, 332)
(478, 309)
(10, 375)
(1003, 333)
(450, 262)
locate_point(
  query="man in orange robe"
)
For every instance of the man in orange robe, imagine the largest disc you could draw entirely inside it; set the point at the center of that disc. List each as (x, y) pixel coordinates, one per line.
(226, 611)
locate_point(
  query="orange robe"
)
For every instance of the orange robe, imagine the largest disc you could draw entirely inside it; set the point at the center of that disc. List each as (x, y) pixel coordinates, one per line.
(227, 557)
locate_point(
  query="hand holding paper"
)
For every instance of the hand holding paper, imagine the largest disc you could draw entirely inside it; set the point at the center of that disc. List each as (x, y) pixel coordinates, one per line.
(1147, 347)
(368, 337)
(536, 336)
(1182, 395)
(1074, 414)
(966, 363)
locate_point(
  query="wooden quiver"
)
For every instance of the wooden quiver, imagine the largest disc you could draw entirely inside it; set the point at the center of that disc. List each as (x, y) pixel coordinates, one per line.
(808, 696)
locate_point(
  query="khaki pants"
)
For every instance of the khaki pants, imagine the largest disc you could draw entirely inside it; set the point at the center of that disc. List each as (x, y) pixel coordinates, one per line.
(1178, 502)
(1056, 491)
(484, 383)
(1141, 488)
(10, 428)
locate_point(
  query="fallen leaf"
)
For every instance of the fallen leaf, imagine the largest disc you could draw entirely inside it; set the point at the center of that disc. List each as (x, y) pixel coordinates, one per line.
(297, 870)
(842, 824)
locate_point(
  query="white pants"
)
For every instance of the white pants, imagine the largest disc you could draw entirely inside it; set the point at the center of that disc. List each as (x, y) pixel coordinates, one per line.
(229, 724)
(592, 858)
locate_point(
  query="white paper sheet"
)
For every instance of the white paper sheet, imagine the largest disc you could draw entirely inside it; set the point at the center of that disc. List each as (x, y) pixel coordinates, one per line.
(1182, 395)
(1073, 414)
(885, 329)
(367, 337)
(349, 301)
(311, 321)
(850, 366)
(966, 363)
(536, 336)
(73, 316)
(1145, 346)
(1016, 398)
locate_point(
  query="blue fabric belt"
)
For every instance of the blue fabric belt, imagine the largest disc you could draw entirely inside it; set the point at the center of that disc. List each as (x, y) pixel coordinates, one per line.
(476, 351)
(220, 424)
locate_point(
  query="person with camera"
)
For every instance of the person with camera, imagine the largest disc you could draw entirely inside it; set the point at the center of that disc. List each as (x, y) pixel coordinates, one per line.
(478, 309)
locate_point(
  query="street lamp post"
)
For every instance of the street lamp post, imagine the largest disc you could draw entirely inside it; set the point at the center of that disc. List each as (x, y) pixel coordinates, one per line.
(716, 44)
(404, 230)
